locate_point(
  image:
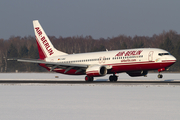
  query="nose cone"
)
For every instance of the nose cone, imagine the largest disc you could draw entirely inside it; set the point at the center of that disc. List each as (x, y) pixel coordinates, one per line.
(172, 58)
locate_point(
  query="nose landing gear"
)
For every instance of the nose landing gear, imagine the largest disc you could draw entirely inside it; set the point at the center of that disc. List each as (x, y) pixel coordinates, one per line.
(160, 70)
(160, 75)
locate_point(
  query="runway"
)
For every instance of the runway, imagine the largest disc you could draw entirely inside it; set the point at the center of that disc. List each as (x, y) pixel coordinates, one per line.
(60, 79)
(166, 82)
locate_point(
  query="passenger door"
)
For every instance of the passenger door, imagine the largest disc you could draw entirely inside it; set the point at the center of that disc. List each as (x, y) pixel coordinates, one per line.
(150, 56)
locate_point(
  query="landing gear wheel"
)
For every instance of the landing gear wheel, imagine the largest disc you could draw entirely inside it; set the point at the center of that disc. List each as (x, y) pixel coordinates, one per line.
(89, 79)
(160, 76)
(113, 78)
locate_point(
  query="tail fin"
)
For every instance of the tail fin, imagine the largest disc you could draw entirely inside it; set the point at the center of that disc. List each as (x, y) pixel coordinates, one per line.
(45, 47)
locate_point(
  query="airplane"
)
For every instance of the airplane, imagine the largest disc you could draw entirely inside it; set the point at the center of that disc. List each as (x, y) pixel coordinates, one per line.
(135, 62)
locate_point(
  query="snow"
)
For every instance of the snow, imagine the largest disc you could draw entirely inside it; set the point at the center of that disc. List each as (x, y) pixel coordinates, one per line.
(87, 102)
(38, 76)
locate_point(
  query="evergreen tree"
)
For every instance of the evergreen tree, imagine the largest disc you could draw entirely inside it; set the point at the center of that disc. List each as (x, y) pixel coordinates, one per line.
(138, 45)
(12, 53)
(124, 46)
(167, 45)
(23, 52)
(176, 54)
(33, 52)
(100, 48)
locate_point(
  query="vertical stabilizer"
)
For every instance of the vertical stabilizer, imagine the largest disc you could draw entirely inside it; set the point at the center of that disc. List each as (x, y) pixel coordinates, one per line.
(45, 47)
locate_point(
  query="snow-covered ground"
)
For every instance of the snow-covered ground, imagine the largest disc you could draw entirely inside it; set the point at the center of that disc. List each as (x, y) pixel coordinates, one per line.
(87, 102)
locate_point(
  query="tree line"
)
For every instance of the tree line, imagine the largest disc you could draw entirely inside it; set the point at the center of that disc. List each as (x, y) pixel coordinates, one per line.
(26, 47)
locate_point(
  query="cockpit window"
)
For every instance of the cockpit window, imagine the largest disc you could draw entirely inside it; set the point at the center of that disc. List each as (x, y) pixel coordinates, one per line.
(161, 54)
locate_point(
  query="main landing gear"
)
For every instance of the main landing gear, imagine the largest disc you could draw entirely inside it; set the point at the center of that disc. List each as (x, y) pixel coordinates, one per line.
(89, 79)
(113, 78)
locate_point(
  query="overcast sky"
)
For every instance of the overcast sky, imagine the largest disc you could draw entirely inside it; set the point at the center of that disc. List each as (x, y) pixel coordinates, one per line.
(98, 18)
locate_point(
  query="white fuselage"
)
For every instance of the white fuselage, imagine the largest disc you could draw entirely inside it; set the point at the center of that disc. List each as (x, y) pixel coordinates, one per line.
(121, 60)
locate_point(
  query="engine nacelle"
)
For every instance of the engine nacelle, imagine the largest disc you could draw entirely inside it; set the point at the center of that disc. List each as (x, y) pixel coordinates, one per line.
(96, 71)
(138, 73)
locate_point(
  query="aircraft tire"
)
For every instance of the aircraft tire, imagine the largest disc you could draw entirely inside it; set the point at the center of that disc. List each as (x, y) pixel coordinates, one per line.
(113, 78)
(160, 76)
(89, 79)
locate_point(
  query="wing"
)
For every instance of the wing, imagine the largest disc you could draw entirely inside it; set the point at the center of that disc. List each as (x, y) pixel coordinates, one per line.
(53, 65)
(67, 66)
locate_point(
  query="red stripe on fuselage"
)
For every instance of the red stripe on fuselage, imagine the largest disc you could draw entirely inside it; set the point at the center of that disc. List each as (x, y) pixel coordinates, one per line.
(125, 67)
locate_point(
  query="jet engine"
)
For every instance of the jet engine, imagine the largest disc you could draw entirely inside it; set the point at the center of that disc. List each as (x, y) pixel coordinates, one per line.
(95, 71)
(138, 73)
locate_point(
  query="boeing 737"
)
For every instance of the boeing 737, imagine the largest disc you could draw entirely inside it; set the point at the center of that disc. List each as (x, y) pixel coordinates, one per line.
(135, 62)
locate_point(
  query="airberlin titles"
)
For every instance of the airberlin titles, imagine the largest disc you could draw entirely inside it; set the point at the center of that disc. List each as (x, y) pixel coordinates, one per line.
(129, 53)
(44, 41)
